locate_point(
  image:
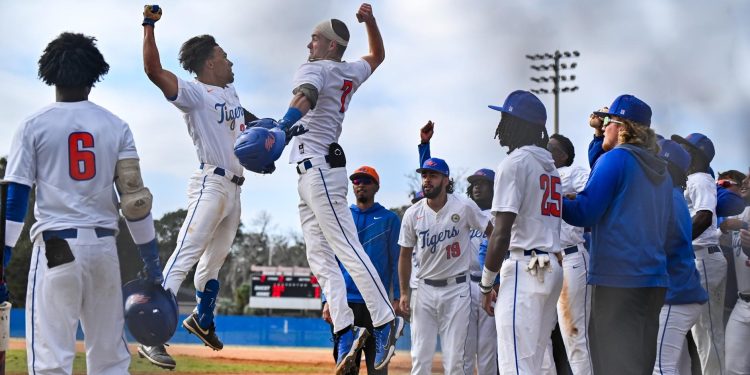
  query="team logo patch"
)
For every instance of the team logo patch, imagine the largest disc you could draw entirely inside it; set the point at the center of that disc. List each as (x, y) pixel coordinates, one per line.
(455, 218)
(430, 163)
(270, 141)
(138, 299)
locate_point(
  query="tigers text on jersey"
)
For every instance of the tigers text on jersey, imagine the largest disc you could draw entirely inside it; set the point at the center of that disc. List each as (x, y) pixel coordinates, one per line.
(700, 195)
(441, 238)
(336, 83)
(527, 184)
(477, 236)
(215, 118)
(574, 180)
(69, 150)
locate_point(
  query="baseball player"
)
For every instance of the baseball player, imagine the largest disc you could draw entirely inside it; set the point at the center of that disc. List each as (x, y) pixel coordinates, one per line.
(72, 151)
(573, 306)
(377, 228)
(526, 205)
(682, 304)
(214, 117)
(700, 195)
(481, 343)
(323, 90)
(439, 228)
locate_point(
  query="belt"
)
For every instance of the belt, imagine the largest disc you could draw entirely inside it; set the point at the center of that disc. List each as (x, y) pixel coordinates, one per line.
(222, 172)
(714, 249)
(526, 253)
(445, 282)
(73, 233)
(744, 296)
(307, 164)
(475, 279)
(571, 250)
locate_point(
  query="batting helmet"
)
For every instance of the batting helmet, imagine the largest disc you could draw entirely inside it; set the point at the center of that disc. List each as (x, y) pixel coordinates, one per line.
(150, 312)
(260, 145)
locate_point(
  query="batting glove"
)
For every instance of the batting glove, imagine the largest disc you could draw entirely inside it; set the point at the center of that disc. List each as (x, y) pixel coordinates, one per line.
(151, 14)
(294, 131)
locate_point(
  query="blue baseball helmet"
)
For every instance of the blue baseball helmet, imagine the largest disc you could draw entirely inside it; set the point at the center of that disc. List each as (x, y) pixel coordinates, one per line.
(150, 312)
(260, 145)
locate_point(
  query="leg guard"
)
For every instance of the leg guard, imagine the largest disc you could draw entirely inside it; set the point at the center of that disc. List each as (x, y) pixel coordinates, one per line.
(207, 303)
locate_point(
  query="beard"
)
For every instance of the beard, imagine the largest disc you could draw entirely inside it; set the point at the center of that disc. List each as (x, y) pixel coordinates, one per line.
(434, 193)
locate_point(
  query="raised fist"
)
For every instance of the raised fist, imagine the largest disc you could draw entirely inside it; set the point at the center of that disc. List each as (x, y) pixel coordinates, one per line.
(425, 134)
(364, 14)
(597, 122)
(151, 14)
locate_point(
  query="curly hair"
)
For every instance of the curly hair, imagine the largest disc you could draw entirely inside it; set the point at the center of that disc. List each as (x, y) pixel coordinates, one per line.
(515, 132)
(72, 60)
(634, 133)
(567, 146)
(195, 52)
(451, 187)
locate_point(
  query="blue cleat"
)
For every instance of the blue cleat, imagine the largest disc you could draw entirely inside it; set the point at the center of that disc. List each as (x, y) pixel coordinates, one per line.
(385, 341)
(349, 343)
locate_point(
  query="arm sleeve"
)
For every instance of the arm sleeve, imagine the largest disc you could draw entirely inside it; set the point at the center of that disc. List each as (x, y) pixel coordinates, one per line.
(595, 150)
(16, 205)
(189, 95)
(593, 201)
(424, 153)
(395, 251)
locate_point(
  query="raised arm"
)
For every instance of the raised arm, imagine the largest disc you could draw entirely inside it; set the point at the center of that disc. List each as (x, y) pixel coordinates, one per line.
(165, 80)
(374, 39)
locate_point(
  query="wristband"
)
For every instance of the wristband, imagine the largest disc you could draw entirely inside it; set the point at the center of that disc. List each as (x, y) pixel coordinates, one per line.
(488, 280)
(148, 22)
(292, 115)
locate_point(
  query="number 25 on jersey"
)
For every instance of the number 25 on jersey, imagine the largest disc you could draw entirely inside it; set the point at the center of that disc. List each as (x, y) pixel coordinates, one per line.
(551, 200)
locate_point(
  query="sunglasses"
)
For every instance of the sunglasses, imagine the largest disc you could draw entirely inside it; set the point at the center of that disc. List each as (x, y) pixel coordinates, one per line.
(362, 181)
(608, 120)
(727, 183)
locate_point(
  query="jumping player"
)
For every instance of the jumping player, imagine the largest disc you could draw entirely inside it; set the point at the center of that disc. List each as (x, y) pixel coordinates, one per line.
(323, 90)
(439, 227)
(527, 205)
(214, 118)
(72, 151)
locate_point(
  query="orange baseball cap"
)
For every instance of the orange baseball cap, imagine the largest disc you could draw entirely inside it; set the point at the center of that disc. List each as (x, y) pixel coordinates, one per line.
(366, 171)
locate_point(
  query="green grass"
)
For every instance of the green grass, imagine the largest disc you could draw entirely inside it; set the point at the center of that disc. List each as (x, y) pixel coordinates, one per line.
(15, 363)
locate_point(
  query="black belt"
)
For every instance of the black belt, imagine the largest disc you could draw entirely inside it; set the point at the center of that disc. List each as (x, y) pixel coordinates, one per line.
(475, 279)
(222, 172)
(714, 249)
(571, 250)
(442, 283)
(526, 253)
(744, 296)
(73, 233)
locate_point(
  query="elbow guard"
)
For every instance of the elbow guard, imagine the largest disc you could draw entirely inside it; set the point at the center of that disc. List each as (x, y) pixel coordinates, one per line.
(135, 199)
(309, 91)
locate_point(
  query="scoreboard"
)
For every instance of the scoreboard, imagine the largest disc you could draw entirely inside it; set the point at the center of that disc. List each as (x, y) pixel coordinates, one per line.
(275, 290)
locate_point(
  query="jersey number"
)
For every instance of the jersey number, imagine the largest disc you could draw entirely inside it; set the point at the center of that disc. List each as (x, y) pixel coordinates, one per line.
(453, 250)
(82, 162)
(347, 89)
(552, 200)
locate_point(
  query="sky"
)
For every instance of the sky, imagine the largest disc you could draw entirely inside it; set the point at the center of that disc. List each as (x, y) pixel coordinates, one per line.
(446, 60)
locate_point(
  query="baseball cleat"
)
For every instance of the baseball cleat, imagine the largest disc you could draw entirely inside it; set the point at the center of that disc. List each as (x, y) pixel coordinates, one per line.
(157, 355)
(385, 341)
(208, 336)
(349, 343)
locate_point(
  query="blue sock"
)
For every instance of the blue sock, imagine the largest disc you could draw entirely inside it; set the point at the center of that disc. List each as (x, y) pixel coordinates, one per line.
(207, 303)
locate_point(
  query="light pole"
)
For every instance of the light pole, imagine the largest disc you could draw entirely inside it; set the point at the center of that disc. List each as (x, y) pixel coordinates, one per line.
(555, 66)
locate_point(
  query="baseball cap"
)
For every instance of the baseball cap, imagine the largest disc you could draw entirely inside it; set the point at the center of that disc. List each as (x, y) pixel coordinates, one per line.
(366, 171)
(672, 152)
(482, 174)
(435, 164)
(699, 142)
(418, 195)
(525, 106)
(631, 108)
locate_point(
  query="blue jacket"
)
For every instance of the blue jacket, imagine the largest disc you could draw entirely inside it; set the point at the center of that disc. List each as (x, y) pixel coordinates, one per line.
(595, 149)
(378, 229)
(628, 203)
(684, 281)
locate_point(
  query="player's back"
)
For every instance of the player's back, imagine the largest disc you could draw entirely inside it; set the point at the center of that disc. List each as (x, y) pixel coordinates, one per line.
(69, 150)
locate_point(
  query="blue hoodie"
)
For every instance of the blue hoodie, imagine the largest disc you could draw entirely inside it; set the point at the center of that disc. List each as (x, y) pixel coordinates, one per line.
(628, 203)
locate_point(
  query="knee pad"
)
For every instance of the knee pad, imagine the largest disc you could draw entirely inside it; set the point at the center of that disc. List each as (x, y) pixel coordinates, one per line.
(135, 199)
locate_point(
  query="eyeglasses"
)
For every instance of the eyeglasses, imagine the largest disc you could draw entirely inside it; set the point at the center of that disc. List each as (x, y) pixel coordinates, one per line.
(362, 181)
(608, 120)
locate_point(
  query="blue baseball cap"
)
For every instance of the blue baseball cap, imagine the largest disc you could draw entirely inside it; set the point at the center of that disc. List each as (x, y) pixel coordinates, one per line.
(631, 108)
(435, 164)
(672, 152)
(482, 174)
(417, 196)
(525, 106)
(699, 142)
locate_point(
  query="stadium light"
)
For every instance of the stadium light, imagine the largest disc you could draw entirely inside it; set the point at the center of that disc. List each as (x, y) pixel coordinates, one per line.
(555, 66)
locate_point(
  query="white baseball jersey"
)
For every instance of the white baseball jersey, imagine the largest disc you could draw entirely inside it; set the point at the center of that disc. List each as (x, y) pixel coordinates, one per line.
(336, 83)
(441, 238)
(527, 184)
(69, 150)
(741, 261)
(477, 235)
(215, 118)
(574, 180)
(700, 195)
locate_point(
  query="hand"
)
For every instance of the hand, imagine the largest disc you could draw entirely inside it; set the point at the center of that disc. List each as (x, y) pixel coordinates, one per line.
(294, 131)
(571, 196)
(397, 308)
(425, 134)
(327, 313)
(364, 14)
(404, 302)
(151, 14)
(597, 122)
(488, 302)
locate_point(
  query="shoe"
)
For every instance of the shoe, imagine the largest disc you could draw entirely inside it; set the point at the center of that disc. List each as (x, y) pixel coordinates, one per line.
(349, 343)
(208, 336)
(157, 355)
(385, 341)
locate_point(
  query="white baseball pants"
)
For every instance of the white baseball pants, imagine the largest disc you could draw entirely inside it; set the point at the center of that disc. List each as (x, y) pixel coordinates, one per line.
(708, 332)
(573, 311)
(444, 311)
(206, 235)
(525, 314)
(481, 342)
(88, 289)
(330, 233)
(738, 339)
(674, 323)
